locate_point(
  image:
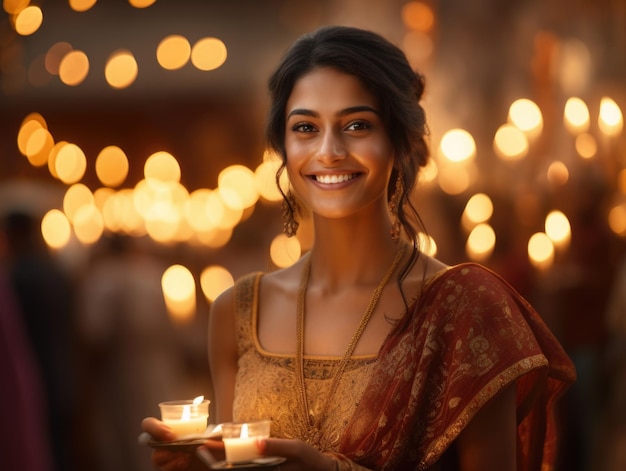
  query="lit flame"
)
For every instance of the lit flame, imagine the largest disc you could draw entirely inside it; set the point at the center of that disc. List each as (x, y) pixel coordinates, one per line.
(244, 431)
(198, 400)
(186, 413)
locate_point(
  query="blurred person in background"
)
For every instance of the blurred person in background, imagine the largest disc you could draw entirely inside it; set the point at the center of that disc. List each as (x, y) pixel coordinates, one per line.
(44, 296)
(22, 400)
(134, 353)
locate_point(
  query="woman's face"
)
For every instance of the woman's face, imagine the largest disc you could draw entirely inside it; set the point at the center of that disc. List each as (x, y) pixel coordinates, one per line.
(339, 155)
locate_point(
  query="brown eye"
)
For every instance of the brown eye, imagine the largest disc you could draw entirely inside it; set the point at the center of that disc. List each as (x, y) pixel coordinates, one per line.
(358, 126)
(303, 127)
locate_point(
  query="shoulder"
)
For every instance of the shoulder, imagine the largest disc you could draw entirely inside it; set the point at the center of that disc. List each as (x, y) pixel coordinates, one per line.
(472, 276)
(473, 289)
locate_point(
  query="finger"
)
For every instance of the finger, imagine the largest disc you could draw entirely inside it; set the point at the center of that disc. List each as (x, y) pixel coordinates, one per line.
(157, 429)
(280, 447)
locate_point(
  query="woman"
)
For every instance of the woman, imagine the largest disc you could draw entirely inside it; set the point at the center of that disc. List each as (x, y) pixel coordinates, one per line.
(366, 353)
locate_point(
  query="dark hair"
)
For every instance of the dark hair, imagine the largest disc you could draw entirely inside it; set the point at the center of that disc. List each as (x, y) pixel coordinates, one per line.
(384, 69)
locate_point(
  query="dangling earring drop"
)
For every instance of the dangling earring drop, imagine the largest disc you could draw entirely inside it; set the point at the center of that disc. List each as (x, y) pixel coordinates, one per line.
(289, 210)
(394, 203)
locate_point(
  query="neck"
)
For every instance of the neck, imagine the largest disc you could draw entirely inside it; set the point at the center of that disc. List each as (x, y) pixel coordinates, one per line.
(348, 253)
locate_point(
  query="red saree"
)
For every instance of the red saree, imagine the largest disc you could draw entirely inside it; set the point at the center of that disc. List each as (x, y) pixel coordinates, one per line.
(468, 337)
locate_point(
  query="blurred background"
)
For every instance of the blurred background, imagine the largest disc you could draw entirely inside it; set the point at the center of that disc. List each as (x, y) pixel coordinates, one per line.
(135, 187)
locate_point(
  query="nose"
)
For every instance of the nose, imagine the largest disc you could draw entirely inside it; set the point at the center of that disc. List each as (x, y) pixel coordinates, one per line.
(331, 148)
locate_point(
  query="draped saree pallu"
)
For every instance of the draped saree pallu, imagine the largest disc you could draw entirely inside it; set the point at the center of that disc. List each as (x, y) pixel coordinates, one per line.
(467, 337)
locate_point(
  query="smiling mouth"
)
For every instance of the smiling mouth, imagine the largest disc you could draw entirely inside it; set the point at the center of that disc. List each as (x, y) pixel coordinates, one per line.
(334, 178)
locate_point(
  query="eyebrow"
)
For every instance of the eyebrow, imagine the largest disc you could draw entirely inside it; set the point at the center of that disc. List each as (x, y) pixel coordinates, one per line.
(344, 112)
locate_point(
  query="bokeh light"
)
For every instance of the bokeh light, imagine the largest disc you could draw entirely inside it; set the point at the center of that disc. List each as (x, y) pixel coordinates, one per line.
(284, 251)
(179, 292)
(209, 54)
(457, 145)
(56, 229)
(173, 52)
(121, 69)
(576, 115)
(214, 280)
(74, 68)
(28, 20)
(112, 166)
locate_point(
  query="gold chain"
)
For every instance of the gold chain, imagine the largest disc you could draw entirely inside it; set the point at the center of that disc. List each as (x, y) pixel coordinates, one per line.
(313, 432)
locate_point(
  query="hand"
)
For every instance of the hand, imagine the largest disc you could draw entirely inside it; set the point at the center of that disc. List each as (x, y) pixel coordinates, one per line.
(300, 455)
(169, 459)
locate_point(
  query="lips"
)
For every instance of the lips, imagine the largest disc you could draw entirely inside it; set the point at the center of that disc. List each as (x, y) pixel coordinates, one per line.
(331, 179)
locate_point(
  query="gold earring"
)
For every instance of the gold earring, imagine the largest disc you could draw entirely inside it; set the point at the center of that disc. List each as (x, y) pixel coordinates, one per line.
(289, 211)
(394, 203)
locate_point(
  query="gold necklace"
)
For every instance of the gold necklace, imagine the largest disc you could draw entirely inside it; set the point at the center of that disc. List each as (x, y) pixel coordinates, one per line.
(312, 429)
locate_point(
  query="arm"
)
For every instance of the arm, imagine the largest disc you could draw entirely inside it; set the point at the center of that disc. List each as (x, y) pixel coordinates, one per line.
(222, 346)
(488, 443)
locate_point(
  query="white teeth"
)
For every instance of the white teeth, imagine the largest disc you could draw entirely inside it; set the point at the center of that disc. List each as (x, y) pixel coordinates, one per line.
(334, 178)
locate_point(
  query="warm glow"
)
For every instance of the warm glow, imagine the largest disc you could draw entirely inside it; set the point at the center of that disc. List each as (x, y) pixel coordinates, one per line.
(13, 7)
(457, 145)
(214, 238)
(173, 52)
(418, 47)
(214, 208)
(141, 3)
(540, 250)
(209, 54)
(56, 229)
(88, 224)
(576, 115)
(575, 65)
(38, 147)
(196, 210)
(230, 216)
(558, 173)
(28, 20)
(284, 251)
(29, 125)
(74, 68)
(236, 184)
(120, 215)
(558, 228)
(454, 179)
(54, 56)
(426, 244)
(481, 242)
(81, 5)
(101, 196)
(77, 196)
(70, 163)
(617, 220)
(265, 180)
(526, 116)
(510, 143)
(162, 207)
(52, 157)
(179, 292)
(121, 69)
(112, 166)
(479, 208)
(214, 280)
(586, 145)
(418, 16)
(610, 119)
(429, 172)
(162, 167)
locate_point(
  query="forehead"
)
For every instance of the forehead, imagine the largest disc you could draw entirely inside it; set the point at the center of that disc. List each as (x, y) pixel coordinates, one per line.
(329, 88)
